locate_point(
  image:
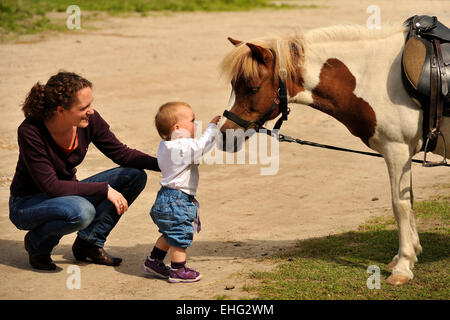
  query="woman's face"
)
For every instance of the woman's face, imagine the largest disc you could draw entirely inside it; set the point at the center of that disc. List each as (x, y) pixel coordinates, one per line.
(78, 115)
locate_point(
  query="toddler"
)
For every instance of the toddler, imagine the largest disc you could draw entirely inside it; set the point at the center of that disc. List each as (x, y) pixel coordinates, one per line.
(175, 208)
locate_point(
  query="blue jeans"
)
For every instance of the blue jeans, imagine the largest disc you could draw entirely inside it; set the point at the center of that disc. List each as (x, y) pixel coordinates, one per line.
(49, 219)
(174, 212)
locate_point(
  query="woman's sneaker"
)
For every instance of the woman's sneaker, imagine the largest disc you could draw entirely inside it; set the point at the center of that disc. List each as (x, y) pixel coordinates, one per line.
(184, 274)
(156, 268)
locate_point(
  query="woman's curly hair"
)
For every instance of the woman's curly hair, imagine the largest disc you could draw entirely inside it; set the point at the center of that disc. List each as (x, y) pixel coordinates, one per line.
(60, 90)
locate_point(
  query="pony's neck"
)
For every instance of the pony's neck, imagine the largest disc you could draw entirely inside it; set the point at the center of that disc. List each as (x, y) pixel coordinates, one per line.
(343, 69)
(364, 53)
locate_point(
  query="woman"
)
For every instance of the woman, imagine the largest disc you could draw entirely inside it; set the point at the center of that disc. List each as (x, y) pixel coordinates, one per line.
(46, 197)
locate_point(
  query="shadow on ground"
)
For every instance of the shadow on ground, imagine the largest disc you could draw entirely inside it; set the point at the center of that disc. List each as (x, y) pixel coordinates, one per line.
(350, 248)
(13, 253)
(365, 248)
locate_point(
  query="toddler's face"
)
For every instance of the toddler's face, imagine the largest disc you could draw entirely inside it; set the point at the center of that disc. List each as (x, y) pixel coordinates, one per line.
(186, 118)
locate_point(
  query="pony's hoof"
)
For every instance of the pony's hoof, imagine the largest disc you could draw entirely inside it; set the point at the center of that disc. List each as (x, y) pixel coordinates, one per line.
(397, 279)
(391, 265)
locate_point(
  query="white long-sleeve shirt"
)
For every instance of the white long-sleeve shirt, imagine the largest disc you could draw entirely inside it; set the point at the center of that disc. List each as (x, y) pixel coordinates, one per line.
(179, 159)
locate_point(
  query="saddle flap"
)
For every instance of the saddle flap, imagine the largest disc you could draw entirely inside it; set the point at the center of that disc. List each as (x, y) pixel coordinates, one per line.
(415, 55)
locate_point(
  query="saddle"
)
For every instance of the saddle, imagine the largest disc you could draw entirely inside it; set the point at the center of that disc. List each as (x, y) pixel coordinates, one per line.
(426, 75)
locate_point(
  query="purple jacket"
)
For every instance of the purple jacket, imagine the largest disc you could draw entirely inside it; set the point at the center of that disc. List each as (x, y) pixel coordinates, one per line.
(43, 167)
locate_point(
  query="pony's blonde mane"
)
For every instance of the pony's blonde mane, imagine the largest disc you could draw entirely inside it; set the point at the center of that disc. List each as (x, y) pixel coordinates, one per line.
(239, 62)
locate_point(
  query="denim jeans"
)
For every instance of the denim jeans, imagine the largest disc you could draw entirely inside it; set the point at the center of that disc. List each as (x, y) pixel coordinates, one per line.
(49, 219)
(174, 212)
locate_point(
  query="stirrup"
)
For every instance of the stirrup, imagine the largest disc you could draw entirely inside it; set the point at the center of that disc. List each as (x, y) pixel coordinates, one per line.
(434, 135)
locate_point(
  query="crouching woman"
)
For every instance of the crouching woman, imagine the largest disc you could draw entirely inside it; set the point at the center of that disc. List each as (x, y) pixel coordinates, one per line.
(45, 196)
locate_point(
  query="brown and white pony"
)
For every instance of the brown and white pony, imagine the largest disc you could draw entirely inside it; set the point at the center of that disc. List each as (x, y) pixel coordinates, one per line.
(354, 75)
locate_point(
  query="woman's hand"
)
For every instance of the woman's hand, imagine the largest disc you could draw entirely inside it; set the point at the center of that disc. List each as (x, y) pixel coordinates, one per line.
(118, 200)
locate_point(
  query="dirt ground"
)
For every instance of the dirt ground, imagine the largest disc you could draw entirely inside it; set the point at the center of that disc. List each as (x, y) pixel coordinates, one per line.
(138, 63)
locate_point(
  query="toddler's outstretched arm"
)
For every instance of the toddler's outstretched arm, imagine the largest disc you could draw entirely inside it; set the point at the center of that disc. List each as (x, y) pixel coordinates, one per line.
(193, 149)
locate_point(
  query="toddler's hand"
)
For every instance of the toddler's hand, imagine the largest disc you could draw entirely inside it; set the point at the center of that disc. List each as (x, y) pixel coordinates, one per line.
(216, 119)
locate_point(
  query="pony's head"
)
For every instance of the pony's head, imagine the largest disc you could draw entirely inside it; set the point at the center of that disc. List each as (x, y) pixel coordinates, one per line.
(255, 70)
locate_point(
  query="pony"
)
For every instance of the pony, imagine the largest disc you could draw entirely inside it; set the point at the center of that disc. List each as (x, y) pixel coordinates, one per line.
(353, 74)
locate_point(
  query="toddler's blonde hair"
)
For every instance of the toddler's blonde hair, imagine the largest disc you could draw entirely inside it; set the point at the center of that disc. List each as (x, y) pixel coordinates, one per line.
(166, 118)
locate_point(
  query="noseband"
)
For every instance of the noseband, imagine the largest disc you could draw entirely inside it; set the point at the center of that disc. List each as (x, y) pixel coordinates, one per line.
(280, 101)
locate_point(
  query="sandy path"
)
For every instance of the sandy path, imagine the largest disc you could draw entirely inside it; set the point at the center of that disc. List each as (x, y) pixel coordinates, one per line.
(136, 64)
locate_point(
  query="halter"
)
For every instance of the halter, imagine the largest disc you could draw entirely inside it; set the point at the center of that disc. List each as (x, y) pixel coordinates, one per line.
(280, 102)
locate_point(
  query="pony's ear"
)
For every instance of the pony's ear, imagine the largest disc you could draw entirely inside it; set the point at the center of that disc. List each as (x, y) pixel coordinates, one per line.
(234, 41)
(262, 55)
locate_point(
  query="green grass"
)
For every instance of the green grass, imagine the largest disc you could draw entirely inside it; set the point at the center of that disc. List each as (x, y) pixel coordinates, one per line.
(335, 267)
(24, 17)
(31, 16)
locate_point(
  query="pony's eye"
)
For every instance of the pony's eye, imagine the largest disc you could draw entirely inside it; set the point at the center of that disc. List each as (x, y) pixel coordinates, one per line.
(254, 90)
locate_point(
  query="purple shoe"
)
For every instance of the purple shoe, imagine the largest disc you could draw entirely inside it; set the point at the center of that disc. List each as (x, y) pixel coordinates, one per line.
(156, 268)
(184, 274)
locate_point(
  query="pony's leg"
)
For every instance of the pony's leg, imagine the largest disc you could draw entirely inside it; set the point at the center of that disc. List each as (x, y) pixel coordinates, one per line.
(414, 234)
(415, 242)
(398, 160)
(412, 222)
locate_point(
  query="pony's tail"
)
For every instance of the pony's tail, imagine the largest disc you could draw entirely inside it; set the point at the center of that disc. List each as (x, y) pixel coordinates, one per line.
(33, 107)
